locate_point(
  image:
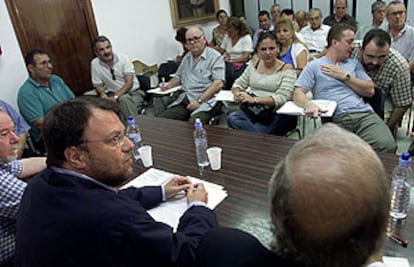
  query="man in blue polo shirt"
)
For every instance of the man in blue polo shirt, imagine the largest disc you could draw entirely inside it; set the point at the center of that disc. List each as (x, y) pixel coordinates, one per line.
(40, 92)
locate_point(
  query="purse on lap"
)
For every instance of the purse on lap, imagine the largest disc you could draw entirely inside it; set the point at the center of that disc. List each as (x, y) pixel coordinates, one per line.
(257, 112)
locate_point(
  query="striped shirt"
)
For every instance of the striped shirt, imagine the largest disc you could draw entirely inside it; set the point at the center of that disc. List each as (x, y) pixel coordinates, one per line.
(11, 192)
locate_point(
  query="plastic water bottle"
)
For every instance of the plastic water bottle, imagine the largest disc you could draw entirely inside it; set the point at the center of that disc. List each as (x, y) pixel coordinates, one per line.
(134, 134)
(200, 141)
(400, 187)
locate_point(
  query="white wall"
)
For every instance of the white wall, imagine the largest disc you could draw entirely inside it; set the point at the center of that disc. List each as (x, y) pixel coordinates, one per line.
(141, 29)
(12, 68)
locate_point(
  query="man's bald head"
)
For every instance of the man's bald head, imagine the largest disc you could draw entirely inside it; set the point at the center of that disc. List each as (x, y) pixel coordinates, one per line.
(329, 200)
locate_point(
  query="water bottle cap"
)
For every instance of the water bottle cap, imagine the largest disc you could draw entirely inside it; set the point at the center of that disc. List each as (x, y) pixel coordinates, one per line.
(405, 159)
(131, 120)
(198, 124)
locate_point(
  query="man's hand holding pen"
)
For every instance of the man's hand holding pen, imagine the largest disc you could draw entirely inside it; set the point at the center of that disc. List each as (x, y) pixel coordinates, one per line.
(312, 110)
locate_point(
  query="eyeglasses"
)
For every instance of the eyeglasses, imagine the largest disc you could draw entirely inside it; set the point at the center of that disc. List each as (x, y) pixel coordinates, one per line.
(401, 12)
(113, 74)
(194, 39)
(115, 141)
(44, 63)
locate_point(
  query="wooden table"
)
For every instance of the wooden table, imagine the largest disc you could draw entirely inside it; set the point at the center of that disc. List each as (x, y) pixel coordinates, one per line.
(248, 160)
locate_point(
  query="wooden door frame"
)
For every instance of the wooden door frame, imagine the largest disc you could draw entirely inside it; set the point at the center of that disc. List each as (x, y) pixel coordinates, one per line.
(24, 43)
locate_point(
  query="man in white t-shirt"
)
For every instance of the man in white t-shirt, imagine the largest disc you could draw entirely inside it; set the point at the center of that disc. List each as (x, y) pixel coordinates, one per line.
(113, 77)
(314, 35)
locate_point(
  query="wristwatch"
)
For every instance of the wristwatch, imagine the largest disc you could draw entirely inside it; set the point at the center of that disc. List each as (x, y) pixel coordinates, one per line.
(256, 100)
(346, 78)
(115, 97)
(199, 101)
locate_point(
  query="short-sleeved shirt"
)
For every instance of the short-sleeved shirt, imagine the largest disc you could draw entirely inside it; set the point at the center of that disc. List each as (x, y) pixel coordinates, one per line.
(403, 43)
(10, 195)
(393, 78)
(362, 30)
(35, 100)
(19, 123)
(314, 40)
(244, 44)
(326, 87)
(331, 20)
(102, 75)
(195, 79)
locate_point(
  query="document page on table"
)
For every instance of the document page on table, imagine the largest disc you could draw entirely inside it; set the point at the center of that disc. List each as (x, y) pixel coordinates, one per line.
(395, 261)
(170, 211)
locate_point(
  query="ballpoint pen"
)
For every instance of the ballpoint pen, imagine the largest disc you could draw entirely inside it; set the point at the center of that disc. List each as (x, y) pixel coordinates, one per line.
(398, 239)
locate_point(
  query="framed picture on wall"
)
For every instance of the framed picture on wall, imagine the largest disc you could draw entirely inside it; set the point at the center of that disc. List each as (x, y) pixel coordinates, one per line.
(189, 12)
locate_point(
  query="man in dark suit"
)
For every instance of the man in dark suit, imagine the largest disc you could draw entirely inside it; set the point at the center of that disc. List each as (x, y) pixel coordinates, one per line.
(73, 214)
(329, 207)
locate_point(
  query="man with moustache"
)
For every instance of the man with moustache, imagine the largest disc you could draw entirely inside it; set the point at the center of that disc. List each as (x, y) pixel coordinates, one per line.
(11, 185)
(73, 214)
(389, 71)
(39, 93)
(339, 78)
(114, 78)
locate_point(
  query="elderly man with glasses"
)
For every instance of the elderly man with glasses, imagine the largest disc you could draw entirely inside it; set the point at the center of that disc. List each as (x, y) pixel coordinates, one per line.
(201, 76)
(113, 77)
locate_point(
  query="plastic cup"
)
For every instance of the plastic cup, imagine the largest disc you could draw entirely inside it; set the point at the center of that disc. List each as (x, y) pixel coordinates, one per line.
(214, 156)
(146, 155)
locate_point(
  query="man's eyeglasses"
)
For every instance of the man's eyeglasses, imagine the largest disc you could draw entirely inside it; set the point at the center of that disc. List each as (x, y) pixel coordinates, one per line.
(116, 140)
(194, 39)
(113, 74)
(401, 12)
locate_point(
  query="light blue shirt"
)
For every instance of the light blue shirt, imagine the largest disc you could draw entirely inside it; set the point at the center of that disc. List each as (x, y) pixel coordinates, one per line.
(196, 78)
(323, 86)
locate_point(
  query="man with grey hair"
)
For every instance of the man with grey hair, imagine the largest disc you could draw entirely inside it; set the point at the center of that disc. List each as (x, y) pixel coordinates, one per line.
(378, 19)
(201, 76)
(402, 34)
(314, 35)
(12, 171)
(334, 216)
(275, 12)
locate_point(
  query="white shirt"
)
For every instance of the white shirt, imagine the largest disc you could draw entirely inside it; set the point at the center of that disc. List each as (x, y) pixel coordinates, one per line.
(314, 40)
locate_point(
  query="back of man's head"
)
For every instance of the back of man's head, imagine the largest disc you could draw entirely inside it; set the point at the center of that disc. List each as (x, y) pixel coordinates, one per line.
(329, 200)
(65, 124)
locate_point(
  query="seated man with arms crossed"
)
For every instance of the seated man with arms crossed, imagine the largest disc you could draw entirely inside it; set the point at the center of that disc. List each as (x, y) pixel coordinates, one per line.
(201, 75)
(73, 214)
(11, 187)
(329, 207)
(339, 78)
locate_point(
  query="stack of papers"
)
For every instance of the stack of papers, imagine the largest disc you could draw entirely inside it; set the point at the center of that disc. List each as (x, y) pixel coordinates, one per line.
(169, 212)
(158, 90)
(395, 261)
(290, 108)
(225, 95)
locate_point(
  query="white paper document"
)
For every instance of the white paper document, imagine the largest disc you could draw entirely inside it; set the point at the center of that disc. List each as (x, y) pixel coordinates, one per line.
(395, 261)
(169, 212)
(225, 95)
(158, 90)
(290, 108)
